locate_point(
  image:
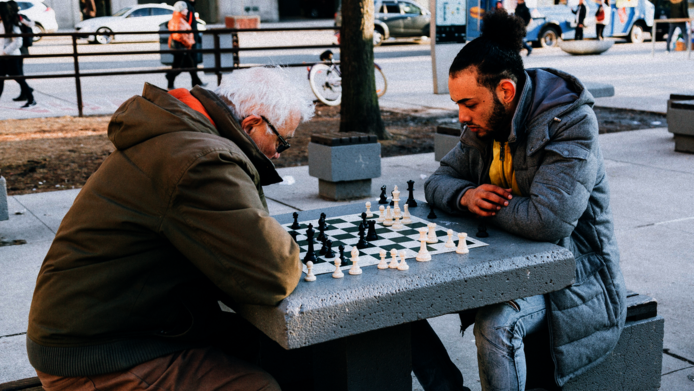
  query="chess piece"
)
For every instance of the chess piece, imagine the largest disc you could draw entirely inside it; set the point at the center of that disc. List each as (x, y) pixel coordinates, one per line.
(362, 237)
(397, 224)
(309, 276)
(338, 273)
(482, 231)
(310, 252)
(462, 244)
(431, 214)
(329, 253)
(423, 255)
(383, 199)
(341, 249)
(393, 259)
(321, 230)
(381, 214)
(371, 235)
(355, 262)
(295, 224)
(410, 198)
(392, 203)
(432, 233)
(383, 264)
(294, 234)
(403, 265)
(396, 211)
(389, 219)
(449, 243)
(396, 200)
(407, 217)
(363, 220)
(368, 210)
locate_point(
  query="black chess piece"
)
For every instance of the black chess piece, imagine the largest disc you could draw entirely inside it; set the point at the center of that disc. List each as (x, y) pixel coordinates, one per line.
(310, 253)
(343, 261)
(324, 247)
(482, 231)
(295, 224)
(411, 203)
(392, 203)
(371, 236)
(329, 253)
(362, 237)
(363, 219)
(383, 199)
(323, 216)
(432, 214)
(321, 231)
(294, 234)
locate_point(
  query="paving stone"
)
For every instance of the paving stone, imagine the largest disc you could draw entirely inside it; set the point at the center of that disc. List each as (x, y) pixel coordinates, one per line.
(14, 364)
(49, 207)
(24, 225)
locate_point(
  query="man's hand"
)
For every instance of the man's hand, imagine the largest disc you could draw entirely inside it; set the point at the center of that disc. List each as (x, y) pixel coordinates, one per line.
(485, 200)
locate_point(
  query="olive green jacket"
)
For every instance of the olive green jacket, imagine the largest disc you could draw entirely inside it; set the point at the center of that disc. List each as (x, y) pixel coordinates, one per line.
(174, 220)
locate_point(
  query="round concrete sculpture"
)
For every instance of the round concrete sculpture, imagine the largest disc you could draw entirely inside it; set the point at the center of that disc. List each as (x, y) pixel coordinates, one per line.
(585, 47)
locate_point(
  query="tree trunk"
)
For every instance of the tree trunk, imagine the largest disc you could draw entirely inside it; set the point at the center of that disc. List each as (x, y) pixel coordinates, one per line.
(360, 111)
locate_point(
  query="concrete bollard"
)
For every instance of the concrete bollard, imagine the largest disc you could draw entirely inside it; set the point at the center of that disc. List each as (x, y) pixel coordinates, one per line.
(680, 121)
(445, 139)
(4, 211)
(344, 164)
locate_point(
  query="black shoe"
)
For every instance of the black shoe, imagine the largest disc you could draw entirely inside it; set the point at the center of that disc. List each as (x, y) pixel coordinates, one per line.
(200, 83)
(530, 50)
(30, 103)
(20, 98)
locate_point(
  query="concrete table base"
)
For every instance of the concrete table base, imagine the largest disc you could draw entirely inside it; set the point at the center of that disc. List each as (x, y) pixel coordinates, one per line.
(346, 190)
(684, 143)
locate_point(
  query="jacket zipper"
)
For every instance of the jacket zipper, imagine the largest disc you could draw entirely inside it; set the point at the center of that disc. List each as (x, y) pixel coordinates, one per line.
(502, 156)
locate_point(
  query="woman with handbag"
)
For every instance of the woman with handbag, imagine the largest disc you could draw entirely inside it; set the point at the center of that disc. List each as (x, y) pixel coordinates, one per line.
(10, 48)
(602, 18)
(180, 40)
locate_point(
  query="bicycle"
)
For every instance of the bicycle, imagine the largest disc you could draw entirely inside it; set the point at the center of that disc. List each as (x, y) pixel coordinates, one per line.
(326, 80)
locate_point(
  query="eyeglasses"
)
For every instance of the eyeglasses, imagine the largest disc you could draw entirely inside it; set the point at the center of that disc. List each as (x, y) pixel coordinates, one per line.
(284, 145)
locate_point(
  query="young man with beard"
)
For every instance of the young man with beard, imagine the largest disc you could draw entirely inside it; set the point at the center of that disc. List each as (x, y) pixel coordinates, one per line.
(529, 161)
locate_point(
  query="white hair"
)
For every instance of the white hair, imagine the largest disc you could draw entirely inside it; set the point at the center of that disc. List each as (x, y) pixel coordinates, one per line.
(180, 6)
(265, 91)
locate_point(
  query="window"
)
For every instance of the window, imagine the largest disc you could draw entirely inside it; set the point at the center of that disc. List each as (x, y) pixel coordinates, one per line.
(391, 8)
(123, 11)
(161, 11)
(140, 13)
(408, 8)
(24, 5)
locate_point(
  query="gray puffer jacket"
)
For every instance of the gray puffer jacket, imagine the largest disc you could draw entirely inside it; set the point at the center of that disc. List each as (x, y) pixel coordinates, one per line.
(560, 172)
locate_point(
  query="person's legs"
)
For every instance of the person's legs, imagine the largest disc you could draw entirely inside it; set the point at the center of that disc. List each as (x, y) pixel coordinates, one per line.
(430, 361)
(13, 68)
(599, 29)
(499, 332)
(670, 31)
(579, 33)
(189, 62)
(177, 64)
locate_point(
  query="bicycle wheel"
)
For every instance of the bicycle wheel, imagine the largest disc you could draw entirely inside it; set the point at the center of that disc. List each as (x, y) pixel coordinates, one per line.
(381, 83)
(326, 84)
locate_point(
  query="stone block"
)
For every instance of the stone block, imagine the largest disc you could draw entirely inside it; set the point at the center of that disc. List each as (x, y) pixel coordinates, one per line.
(337, 163)
(600, 90)
(347, 190)
(445, 139)
(684, 143)
(680, 114)
(585, 47)
(4, 210)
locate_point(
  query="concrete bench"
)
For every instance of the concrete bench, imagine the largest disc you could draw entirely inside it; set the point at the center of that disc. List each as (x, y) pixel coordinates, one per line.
(344, 164)
(634, 365)
(680, 121)
(445, 139)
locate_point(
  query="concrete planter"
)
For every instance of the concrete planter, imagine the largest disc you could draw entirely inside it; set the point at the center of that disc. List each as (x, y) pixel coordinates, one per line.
(680, 121)
(585, 47)
(445, 139)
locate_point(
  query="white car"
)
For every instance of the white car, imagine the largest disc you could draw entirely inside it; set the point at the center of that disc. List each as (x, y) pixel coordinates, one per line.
(41, 14)
(143, 17)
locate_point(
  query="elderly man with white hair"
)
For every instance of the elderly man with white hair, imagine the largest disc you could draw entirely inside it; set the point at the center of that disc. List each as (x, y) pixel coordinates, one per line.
(172, 222)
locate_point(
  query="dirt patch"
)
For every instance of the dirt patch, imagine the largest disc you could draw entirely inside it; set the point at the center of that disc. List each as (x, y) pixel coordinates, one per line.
(47, 154)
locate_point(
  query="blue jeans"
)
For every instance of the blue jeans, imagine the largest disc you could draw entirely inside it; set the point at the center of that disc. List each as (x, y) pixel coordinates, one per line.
(499, 332)
(671, 31)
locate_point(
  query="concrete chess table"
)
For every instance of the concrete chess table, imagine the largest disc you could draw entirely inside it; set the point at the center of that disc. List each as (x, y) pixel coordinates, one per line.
(356, 329)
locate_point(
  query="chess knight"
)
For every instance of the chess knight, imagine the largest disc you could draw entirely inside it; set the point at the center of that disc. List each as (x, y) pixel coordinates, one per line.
(173, 221)
(529, 161)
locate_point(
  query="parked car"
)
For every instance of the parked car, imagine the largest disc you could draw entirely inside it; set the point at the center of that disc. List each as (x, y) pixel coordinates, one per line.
(144, 17)
(41, 14)
(396, 19)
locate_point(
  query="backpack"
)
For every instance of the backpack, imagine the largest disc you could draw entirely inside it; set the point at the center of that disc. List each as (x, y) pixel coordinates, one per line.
(600, 15)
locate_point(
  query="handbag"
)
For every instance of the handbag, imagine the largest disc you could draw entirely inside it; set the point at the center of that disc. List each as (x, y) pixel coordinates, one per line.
(600, 15)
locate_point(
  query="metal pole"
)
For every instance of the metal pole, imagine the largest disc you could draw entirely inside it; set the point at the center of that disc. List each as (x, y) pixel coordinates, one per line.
(217, 59)
(653, 38)
(78, 84)
(689, 40)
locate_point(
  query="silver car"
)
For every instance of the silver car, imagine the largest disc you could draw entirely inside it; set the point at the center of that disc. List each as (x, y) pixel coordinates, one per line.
(396, 19)
(42, 15)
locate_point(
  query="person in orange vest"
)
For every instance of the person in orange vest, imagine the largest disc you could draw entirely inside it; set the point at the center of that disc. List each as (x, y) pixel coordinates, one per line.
(181, 40)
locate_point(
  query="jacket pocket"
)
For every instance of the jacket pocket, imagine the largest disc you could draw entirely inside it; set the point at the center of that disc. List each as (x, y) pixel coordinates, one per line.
(569, 150)
(586, 266)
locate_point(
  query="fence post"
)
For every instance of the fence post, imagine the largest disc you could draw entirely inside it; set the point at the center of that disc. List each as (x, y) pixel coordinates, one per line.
(78, 83)
(653, 38)
(217, 58)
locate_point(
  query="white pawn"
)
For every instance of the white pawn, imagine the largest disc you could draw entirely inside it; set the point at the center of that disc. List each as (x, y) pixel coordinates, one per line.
(310, 276)
(383, 264)
(423, 255)
(432, 233)
(397, 224)
(338, 273)
(389, 219)
(355, 262)
(462, 244)
(394, 259)
(368, 210)
(403, 265)
(406, 216)
(449, 243)
(381, 217)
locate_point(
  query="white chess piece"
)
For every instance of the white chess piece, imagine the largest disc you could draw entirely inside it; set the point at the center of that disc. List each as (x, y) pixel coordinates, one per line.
(368, 210)
(406, 217)
(397, 224)
(396, 200)
(432, 233)
(389, 218)
(355, 262)
(338, 273)
(449, 243)
(394, 259)
(381, 217)
(462, 244)
(383, 264)
(310, 276)
(423, 255)
(403, 265)
(397, 212)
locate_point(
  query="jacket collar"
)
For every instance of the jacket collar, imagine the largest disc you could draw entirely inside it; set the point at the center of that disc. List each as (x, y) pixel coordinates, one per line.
(229, 128)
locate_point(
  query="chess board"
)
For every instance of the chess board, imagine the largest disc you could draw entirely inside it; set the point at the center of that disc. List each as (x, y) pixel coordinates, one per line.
(344, 230)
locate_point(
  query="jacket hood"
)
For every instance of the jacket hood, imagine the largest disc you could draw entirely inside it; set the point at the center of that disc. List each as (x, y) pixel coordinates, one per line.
(156, 113)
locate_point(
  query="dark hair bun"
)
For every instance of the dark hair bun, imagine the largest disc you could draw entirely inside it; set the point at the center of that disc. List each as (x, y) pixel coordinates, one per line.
(504, 30)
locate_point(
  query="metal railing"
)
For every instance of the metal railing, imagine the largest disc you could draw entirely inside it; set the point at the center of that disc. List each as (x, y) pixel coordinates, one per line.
(676, 20)
(217, 51)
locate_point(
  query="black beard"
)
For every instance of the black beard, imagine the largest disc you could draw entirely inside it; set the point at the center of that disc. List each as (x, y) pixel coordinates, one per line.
(499, 121)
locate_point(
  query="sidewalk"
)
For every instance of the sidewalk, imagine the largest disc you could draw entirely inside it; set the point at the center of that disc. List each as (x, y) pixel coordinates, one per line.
(651, 186)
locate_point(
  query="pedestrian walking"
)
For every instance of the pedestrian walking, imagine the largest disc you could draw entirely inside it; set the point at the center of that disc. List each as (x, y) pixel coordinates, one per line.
(10, 44)
(180, 40)
(523, 12)
(192, 20)
(678, 9)
(581, 11)
(603, 17)
(27, 27)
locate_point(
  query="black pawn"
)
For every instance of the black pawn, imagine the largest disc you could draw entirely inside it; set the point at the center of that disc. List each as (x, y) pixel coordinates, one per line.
(329, 253)
(321, 231)
(383, 199)
(324, 247)
(431, 214)
(310, 253)
(294, 233)
(482, 231)
(410, 198)
(371, 236)
(343, 261)
(363, 219)
(392, 203)
(362, 237)
(295, 224)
